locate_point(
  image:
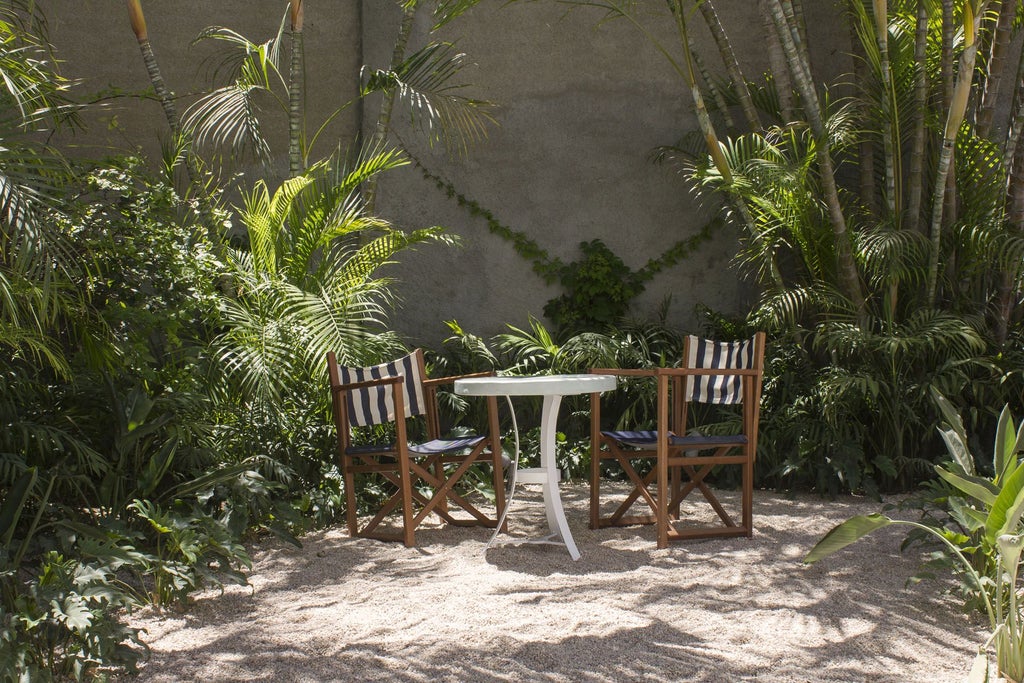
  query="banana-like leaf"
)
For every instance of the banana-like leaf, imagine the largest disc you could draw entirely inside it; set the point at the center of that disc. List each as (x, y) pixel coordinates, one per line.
(1004, 517)
(978, 488)
(847, 533)
(958, 449)
(1007, 443)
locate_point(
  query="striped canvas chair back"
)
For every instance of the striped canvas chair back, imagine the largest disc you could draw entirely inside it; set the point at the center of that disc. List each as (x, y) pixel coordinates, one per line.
(376, 405)
(706, 353)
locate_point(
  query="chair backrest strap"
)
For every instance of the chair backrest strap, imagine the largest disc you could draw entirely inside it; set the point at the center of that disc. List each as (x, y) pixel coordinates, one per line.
(706, 353)
(376, 405)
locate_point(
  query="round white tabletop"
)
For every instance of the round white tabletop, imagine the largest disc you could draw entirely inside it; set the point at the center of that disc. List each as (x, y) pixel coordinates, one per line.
(539, 385)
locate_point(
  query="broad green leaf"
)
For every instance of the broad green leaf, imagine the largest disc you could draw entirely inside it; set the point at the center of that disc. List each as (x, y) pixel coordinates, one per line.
(1008, 506)
(958, 449)
(850, 531)
(982, 490)
(966, 515)
(1003, 455)
(949, 414)
(210, 479)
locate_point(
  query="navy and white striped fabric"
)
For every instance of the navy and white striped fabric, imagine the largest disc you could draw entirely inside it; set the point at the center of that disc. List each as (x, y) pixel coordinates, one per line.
(376, 405)
(705, 353)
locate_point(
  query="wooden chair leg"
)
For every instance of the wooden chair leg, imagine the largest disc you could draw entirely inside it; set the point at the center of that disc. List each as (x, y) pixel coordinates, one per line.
(595, 461)
(748, 496)
(496, 459)
(349, 480)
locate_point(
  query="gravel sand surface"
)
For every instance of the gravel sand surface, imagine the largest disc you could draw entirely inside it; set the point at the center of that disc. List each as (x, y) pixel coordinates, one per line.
(452, 609)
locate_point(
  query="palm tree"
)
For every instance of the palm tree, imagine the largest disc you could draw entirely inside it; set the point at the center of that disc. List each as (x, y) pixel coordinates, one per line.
(309, 282)
(425, 84)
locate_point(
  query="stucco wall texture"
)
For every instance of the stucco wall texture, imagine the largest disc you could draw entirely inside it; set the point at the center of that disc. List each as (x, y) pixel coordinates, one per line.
(581, 105)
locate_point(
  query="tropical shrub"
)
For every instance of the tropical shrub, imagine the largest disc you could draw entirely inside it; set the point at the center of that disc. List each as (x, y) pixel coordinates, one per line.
(980, 532)
(877, 283)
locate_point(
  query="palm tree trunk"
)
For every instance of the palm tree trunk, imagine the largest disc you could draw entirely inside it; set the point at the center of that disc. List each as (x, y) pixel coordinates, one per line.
(799, 66)
(296, 158)
(732, 66)
(777, 61)
(716, 94)
(1013, 150)
(995, 64)
(915, 175)
(166, 97)
(955, 117)
(714, 147)
(866, 160)
(890, 150)
(380, 132)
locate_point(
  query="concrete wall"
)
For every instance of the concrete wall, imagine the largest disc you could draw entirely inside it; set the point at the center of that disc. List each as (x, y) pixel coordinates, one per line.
(95, 39)
(580, 108)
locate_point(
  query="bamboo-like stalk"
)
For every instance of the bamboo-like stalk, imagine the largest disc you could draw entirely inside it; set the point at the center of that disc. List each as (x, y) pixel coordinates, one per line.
(866, 160)
(890, 149)
(846, 269)
(166, 97)
(777, 60)
(689, 74)
(998, 52)
(383, 125)
(732, 65)
(955, 117)
(688, 71)
(716, 93)
(946, 54)
(296, 78)
(1013, 151)
(915, 174)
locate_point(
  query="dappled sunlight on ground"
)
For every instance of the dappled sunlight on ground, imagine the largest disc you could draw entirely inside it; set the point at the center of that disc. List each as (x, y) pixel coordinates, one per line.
(454, 610)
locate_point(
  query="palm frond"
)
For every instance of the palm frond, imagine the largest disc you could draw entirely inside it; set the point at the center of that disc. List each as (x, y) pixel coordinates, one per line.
(894, 256)
(425, 84)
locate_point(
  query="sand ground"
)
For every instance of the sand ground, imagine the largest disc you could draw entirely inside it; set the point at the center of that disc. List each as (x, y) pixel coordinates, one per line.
(453, 609)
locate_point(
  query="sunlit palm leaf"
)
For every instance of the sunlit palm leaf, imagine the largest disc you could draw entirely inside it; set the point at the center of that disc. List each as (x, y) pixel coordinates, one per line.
(228, 117)
(425, 84)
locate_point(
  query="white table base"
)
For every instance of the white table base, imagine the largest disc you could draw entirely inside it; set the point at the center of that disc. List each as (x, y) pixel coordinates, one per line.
(552, 388)
(547, 476)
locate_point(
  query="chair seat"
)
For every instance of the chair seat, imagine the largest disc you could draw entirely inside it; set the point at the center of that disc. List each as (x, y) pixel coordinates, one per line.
(432, 447)
(646, 438)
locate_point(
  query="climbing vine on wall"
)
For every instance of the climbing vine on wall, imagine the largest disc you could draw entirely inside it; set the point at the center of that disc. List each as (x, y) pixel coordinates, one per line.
(599, 287)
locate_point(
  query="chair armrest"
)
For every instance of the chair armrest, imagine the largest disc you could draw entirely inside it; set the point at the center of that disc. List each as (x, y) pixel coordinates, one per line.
(624, 372)
(394, 379)
(434, 381)
(750, 372)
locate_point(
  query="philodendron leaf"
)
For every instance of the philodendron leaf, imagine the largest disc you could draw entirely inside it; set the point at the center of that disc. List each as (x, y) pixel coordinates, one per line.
(850, 531)
(978, 488)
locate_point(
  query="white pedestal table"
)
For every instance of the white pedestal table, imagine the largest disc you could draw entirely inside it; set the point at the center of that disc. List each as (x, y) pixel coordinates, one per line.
(552, 388)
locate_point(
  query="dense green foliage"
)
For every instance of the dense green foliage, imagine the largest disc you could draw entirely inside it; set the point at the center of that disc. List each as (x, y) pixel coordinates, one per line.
(161, 383)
